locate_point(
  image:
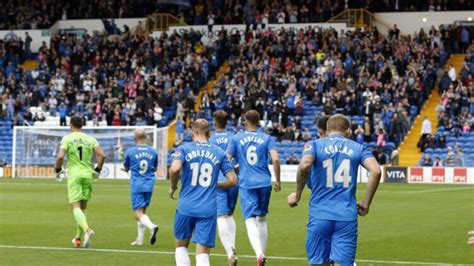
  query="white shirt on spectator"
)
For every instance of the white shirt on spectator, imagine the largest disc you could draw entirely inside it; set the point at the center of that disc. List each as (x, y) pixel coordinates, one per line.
(210, 20)
(294, 16)
(265, 19)
(367, 95)
(52, 102)
(157, 111)
(87, 85)
(58, 84)
(452, 73)
(426, 127)
(281, 17)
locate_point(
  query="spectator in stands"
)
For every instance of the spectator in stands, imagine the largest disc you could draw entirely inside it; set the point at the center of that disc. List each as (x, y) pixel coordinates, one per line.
(444, 83)
(426, 127)
(452, 73)
(427, 143)
(140, 121)
(62, 114)
(292, 160)
(460, 157)
(441, 142)
(306, 135)
(396, 129)
(288, 134)
(380, 138)
(394, 157)
(3, 108)
(438, 162)
(464, 40)
(382, 156)
(359, 133)
(427, 161)
(451, 158)
(28, 41)
(180, 125)
(367, 129)
(466, 128)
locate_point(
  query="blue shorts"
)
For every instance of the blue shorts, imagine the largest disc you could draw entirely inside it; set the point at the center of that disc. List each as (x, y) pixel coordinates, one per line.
(226, 201)
(331, 241)
(140, 199)
(254, 201)
(204, 229)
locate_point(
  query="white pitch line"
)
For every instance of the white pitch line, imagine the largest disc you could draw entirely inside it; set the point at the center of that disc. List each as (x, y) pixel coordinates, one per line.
(212, 254)
(432, 190)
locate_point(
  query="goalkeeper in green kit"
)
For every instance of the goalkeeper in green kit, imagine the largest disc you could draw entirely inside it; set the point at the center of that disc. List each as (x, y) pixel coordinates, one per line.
(79, 148)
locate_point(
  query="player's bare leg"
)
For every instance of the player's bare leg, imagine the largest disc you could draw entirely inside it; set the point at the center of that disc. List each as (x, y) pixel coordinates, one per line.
(227, 236)
(202, 255)
(143, 219)
(181, 254)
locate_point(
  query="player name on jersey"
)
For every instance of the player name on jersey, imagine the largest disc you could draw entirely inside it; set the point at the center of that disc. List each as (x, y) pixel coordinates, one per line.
(79, 139)
(338, 149)
(202, 153)
(223, 140)
(253, 139)
(144, 155)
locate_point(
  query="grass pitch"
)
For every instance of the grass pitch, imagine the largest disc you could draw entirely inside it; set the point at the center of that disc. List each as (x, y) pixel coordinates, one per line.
(407, 224)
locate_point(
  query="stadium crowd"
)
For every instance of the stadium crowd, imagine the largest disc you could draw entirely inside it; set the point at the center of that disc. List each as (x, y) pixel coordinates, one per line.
(455, 117)
(288, 76)
(215, 12)
(384, 79)
(32, 14)
(126, 80)
(29, 14)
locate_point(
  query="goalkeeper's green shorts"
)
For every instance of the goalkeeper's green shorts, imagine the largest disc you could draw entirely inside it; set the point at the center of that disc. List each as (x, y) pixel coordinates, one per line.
(79, 189)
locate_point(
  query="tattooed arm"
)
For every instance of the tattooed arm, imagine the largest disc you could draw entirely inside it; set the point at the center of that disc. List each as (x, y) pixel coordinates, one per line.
(302, 176)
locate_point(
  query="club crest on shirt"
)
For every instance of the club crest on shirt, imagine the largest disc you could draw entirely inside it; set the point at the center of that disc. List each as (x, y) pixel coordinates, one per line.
(307, 147)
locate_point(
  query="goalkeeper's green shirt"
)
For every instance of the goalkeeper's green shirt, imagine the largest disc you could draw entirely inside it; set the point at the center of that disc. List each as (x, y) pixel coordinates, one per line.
(80, 148)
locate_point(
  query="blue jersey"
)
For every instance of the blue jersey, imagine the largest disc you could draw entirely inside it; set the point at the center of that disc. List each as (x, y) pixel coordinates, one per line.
(221, 140)
(202, 163)
(251, 149)
(333, 179)
(142, 162)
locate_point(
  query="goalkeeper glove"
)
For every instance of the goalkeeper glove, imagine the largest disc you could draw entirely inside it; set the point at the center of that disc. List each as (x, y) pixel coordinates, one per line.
(59, 173)
(96, 172)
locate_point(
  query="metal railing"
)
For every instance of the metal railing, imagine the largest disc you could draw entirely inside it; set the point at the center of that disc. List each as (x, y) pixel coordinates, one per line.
(359, 18)
(162, 22)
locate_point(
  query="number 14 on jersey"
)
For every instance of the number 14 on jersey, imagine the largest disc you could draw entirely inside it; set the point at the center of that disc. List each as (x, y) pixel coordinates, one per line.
(342, 174)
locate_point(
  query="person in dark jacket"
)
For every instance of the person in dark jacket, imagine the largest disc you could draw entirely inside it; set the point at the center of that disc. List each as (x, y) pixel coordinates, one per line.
(427, 161)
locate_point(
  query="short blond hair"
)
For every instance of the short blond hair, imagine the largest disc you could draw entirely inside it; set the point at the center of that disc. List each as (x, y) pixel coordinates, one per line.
(201, 127)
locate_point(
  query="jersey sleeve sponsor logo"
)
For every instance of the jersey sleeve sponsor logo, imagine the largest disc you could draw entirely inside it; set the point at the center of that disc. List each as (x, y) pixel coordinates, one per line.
(176, 153)
(308, 147)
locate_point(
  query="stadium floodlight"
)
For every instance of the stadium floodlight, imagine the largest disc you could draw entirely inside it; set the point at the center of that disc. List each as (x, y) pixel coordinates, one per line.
(35, 148)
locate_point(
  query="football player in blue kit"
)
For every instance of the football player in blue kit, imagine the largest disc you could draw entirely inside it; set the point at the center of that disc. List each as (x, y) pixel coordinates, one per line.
(251, 149)
(199, 164)
(322, 122)
(331, 163)
(142, 161)
(226, 198)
